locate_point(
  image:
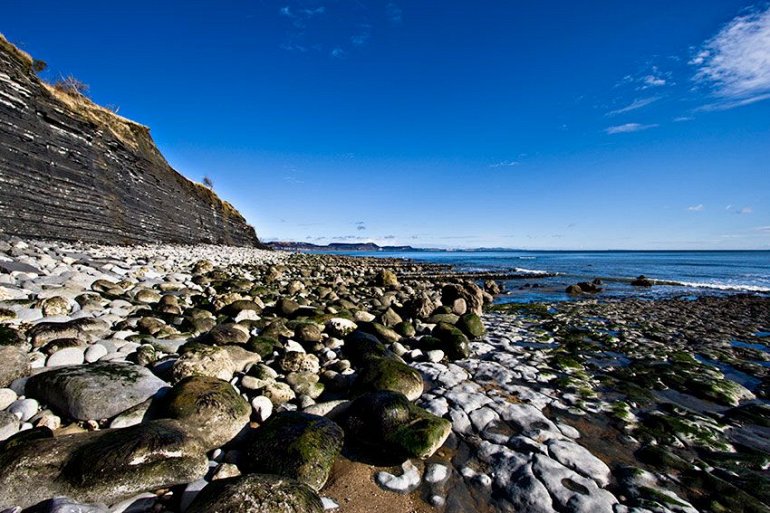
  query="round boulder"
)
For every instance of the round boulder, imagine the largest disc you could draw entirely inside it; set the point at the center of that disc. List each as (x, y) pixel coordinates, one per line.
(210, 407)
(296, 445)
(256, 493)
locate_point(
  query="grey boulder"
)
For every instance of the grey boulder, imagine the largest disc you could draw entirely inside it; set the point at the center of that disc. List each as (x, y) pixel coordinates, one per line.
(96, 391)
(101, 466)
(257, 493)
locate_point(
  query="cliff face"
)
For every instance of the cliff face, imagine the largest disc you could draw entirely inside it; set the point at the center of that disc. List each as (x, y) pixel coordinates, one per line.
(72, 170)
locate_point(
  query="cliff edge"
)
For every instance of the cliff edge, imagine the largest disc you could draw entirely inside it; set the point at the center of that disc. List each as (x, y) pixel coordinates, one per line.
(72, 170)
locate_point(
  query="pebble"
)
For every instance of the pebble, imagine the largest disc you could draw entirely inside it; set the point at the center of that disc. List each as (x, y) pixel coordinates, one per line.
(263, 408)
(94, 352)
(436, 473)
(24, 409)
(408, 481)
(7, 396)
(66, 356)
(329, 504)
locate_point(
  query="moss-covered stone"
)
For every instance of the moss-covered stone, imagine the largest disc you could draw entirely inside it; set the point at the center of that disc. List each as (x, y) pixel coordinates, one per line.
(296, 445)
(263, 346)
(471, 325)
(405, 329)
(102, 466)
(256, 493)
(210, 407)
(361, 346)
(389, 374)
(388, 423)
(96, 391)
(454, 343)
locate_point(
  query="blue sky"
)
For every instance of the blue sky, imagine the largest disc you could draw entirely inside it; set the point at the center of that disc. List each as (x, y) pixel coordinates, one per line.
(544, 125)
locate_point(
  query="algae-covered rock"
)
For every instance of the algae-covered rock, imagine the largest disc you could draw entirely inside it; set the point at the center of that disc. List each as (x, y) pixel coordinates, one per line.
(14, 364)
(101, 466)
(390, 374)
(201, 360)
(454, 343)
(297, 445)
(256, 493)
(389, 423)
(96, 391)
(471, 325)
(226, 334)
(386, 278)
(263, 346)
(361, 346)
(210, 407)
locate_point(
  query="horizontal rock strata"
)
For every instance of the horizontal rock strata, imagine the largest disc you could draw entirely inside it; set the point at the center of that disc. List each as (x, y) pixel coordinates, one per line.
(71, 170)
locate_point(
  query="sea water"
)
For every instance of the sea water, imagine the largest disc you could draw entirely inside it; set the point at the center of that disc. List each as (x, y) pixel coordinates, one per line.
(695, 273)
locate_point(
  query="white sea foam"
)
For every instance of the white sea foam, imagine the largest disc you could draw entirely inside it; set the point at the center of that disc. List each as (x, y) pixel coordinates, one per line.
(725, 286)
(530, 271)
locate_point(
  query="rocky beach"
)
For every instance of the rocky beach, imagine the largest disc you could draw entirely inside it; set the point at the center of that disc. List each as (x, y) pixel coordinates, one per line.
(215, 378)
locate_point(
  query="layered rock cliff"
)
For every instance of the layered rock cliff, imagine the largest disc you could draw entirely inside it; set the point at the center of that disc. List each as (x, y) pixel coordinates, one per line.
(72, 170)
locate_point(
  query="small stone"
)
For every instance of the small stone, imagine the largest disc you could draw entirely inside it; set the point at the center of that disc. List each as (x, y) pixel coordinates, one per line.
(24, 409)
(407, 482)
(263, 408)
(55, 305)
(226, 470)
(66, 356)
(9, 425)
(436, 473)
(94, 353)
(7, 396)
(279, 393)
(329, 504)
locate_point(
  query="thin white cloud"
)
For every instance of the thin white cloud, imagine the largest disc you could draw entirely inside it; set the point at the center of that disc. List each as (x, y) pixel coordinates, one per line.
(762, 229)
(338, 53)
(505, 163)
(696, 208)
(736, 62)
(732, 104)
(654, 81)
(634, 105)
(394, 13)
(739, 211)
(628, 128)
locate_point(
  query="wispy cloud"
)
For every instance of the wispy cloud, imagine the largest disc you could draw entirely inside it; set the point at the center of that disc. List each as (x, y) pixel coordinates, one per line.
(301, 15)
(762, 229)
(360, 226)
(735, 63)
(394, 13)
(732, 104)
(338, 53)
(634, 105)
(652, 77)
(653, 81)
(628, 128)
(739, 211)
(292, 179)
(504, 163)
(696, 208)
(363, 35)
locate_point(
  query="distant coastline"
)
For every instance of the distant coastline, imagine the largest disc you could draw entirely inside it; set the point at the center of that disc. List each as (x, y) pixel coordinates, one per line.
(371, 246)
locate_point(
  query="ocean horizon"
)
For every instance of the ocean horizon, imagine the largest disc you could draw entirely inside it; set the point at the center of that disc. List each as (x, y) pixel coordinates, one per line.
(685, 272)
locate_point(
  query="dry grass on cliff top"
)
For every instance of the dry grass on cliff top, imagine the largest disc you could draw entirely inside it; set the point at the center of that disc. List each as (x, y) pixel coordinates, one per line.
(10, 48)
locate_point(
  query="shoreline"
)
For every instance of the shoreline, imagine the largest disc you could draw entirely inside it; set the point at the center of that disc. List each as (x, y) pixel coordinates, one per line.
(575, 392)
